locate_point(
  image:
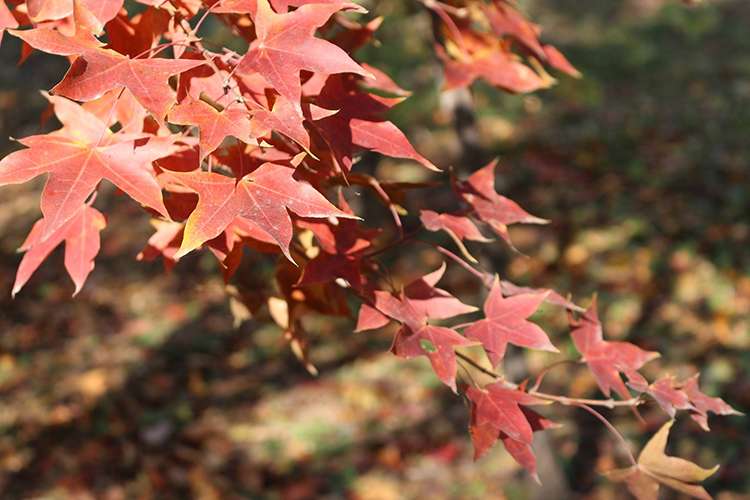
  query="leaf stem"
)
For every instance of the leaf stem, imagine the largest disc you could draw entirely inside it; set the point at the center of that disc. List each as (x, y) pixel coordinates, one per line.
(553, 365)
(109, 117)
(564, 400)
(453, 256)
(394, 243)
(611, 428)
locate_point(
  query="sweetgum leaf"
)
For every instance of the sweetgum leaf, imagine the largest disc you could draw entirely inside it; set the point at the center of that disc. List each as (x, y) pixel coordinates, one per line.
(606, 359)
(98, 70)
(214, 126)
(262, 196)
(75, 169)
(484, 437)
(497, 211)
(356, 123)
(286, 45)
(435, 342)
(505, 322)
(703, 404)
(655, 468)
(499, 407)
(81, 236)
(6, 20)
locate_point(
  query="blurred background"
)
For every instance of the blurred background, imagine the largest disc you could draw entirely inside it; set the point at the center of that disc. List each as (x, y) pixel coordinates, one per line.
(147, 386)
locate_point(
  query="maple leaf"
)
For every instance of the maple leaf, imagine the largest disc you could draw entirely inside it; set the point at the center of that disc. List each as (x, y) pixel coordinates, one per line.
(703, 404)
(498, 407)
(484, 437)
(494, 65)
(606, 359)
(433, 302)
(655, 468)
(370, 318)
(165, 242)
(343, 246)
(416, 337)
(98, 70)
(281, 6)
(505, 322)
(435, 342)
(136, 35)
(120, 107)
(262, 196)
(75, 169)
(283, 117)
(356, 123)
(7, 20)
(214, 126)
(286, 45)
(663, 390)
(81, 236)
(327, 267)
(344, 237)
(458, 227)
(506, 21)
(78, 123)
(497, 211)
(552, 297)
(425, 301)
(49, 10)
(559, 62)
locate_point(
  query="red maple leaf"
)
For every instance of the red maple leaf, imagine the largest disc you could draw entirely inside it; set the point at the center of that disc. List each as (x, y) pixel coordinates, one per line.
(214, 126)
(6, 20)
(81, 236)
(80, 124)
(496, 66)
(356, 123)
(435, 342)
(263, 196)
(165, 242)
(49, 10)
(497, 211)
(484, 437)
(417, 338)
(433, 302)
(606, 359)
(98, 70)
(663, 390)
(425, 301)
(559, 62)
(134, 36)
(343, 245)
(505, 322)
(286, 45)
(458, 226)
(281, 6)
(75, 169)
(703, 404)
(507, 21)
(552, 297)
(498, 407)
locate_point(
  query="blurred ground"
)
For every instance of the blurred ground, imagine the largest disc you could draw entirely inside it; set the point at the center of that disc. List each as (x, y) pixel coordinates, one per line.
(141, 387)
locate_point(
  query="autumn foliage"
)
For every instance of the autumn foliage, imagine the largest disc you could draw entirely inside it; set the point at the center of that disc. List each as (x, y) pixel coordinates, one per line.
(257, 152)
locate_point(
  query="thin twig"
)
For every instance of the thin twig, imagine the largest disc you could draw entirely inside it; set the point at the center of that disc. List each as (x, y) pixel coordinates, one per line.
(607, 403)
(611, 428)
(452, 256)
(394, 243)
(544, 372)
